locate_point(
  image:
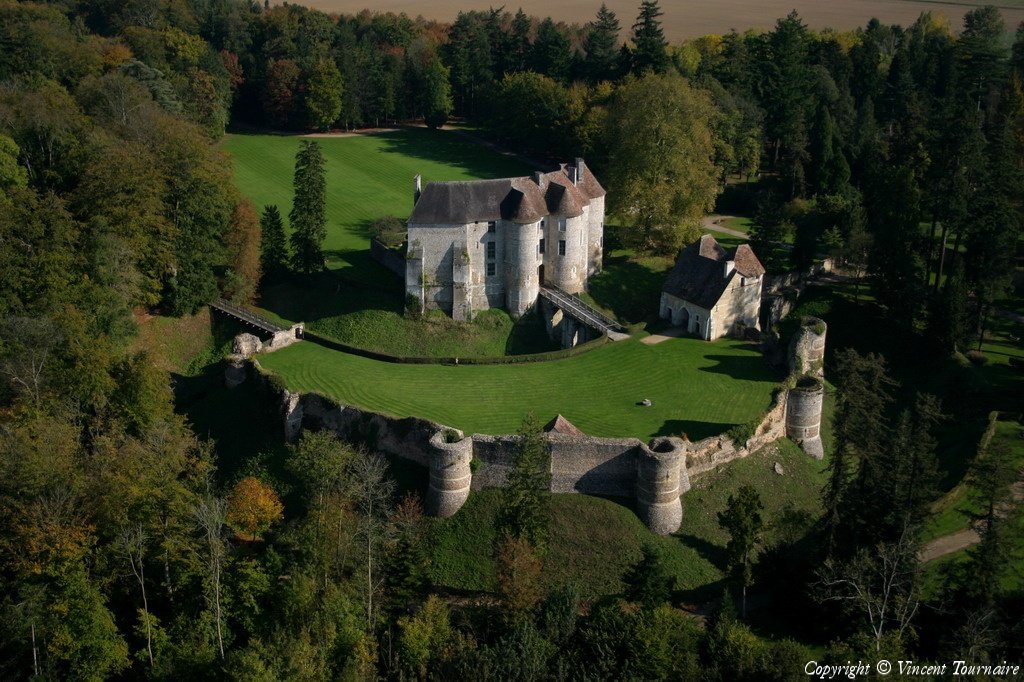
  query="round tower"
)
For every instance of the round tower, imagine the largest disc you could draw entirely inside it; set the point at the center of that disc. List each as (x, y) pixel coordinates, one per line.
(661, 479)
(450, 475)
(807, 349)
(522, 282)
(803, 414)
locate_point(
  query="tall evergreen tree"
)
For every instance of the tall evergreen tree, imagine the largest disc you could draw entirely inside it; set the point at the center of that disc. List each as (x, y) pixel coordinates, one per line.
(308, 216)
(649, 45)
(742, 521)
(274, 244)
(519, 42)
(829, 171)
(550, 53)
(524, 511)
(602, 56)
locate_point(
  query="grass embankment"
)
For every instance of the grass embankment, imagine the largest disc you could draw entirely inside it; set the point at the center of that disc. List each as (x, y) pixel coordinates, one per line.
(594, 540)
(373, 318)
(697, 388)
(368, 176)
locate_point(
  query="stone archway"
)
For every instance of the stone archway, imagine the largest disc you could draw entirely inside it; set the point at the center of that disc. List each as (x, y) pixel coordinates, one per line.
(681, 318)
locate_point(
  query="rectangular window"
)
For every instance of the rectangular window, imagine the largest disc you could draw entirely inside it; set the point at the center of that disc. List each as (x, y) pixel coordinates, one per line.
(540, 247)
(491, 269)
(543, 223)
(561, 224)
(491, 249)
(561, 247)
(492, 226)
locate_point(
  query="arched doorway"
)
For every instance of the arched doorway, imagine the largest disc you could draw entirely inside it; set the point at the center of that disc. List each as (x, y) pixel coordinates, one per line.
(681, 318)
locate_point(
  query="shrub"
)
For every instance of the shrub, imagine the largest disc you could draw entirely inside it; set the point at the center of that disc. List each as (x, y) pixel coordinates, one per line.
(389, 230)
(977, 358)
(741, 433)
(451, 436)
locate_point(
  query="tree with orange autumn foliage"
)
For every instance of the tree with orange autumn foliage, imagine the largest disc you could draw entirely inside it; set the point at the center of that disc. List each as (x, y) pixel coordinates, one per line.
(253, 507)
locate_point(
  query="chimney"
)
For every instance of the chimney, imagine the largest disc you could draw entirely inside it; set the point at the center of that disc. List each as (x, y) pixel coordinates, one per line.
(730, 265)
(417, 188)
(581, 168)
(572, 174)
(538, 178)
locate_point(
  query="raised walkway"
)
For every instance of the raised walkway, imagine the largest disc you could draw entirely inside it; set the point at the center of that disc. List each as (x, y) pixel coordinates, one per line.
(248, 317)
(583, 312)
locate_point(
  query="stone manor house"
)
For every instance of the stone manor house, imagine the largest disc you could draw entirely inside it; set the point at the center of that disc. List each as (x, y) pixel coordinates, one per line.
(494, 243)
(711, 292)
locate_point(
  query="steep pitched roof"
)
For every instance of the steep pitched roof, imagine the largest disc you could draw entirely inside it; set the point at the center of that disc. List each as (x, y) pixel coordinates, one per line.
(699, 273)
(563, 426)
(519, 199)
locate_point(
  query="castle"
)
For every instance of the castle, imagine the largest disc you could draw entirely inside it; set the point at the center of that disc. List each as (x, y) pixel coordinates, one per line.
(494, 243)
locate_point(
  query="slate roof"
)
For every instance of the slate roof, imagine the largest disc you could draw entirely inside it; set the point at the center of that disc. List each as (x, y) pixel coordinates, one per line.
(698, 275)
(521, 199)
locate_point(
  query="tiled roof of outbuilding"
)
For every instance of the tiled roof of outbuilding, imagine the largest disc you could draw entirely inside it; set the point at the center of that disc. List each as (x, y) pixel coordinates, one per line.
(699, 274)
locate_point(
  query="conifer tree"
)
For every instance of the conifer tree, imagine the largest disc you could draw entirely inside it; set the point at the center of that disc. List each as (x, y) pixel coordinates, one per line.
(742, 521)
(308, 217)
(649, 44)
(274, 252)
(648, 582)
(602, 57)
(524, 511)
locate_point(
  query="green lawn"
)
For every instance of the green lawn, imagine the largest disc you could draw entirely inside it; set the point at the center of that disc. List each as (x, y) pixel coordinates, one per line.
(368, 176)
(595, 540)
(697, 388)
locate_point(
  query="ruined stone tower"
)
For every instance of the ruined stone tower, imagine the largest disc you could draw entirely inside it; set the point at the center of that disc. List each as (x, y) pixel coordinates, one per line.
(806, 398)
(661, 478)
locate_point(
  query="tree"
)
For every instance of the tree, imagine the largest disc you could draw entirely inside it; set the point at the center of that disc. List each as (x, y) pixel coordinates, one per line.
(280, 91)
(211, 515)
(860, 437)
(602, 56)
(949, 321)
(244, 251)
(518, 571)
(253, 507)
(525, 512)
(437, 93)
(742, 521)
(423, 637)
(406, 579)
(273, 243)
(881, 582)
(550, 54)
(372, 491)
(531, 110)
(661, 150)
(11, 173)
(649, 44)
(323, 94)
(308, 217)
(648, 581)
(829, 171)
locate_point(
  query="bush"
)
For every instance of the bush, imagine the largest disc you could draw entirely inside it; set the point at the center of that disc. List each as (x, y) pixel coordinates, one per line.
(977, 358)
(741, 433)
(388, 230)
(451, 436)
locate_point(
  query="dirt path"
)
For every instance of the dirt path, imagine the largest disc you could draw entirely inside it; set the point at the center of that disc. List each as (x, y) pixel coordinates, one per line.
(948, 544)
(655, 339)
(714, 222)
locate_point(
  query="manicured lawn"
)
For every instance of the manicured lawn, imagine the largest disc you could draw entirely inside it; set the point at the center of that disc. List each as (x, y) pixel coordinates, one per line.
(594, 540)
(368, 176)
(738, 223)
(697, 388)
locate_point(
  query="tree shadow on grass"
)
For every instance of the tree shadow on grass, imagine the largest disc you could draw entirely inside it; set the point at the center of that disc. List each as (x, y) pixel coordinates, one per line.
(629, 289)
(748, 367)
(694, 430)
(714, 554)
(451, 149)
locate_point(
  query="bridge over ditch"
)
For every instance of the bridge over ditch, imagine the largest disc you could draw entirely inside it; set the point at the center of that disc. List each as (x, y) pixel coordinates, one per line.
(274, 334)
(575, 320)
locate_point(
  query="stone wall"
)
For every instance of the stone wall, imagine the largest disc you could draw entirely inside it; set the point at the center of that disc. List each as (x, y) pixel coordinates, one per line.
(656, 473)
(392, 259)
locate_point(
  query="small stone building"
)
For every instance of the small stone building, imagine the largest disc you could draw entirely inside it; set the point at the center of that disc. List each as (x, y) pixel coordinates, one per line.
(712, 292)
(493, 243)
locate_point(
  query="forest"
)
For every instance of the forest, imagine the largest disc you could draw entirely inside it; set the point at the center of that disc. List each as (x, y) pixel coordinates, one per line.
(126, 552)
